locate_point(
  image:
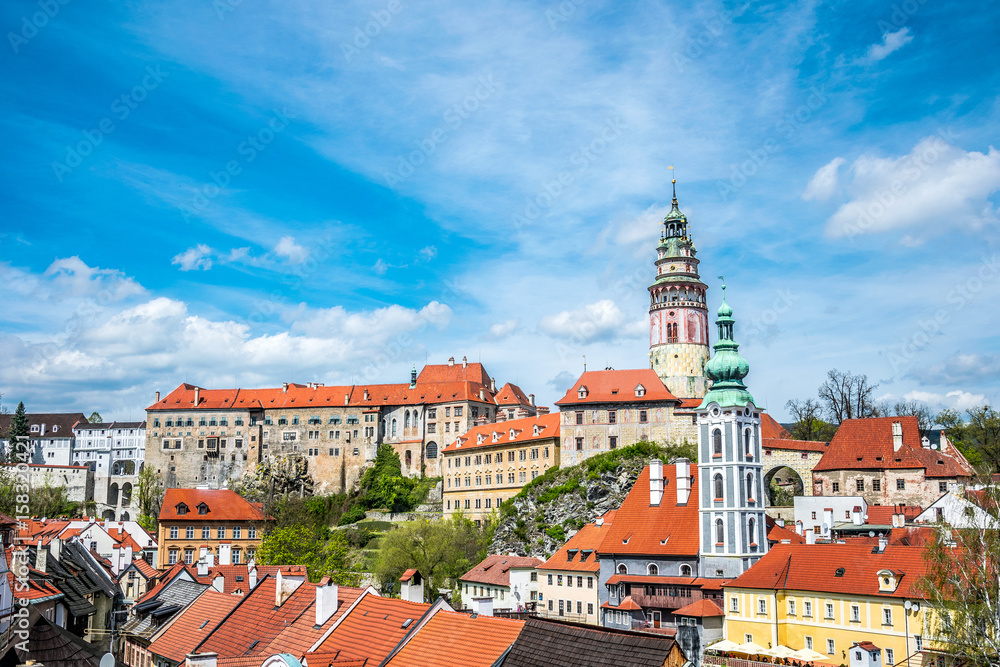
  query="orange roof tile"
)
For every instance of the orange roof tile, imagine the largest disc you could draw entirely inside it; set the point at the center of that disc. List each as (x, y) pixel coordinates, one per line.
(771, 429)
(813, 567)
(474, 372)
(524, 431)
(628, 604)
(223, 505)
(881, 515)
(450, 638)
(302, 633)
(145, 569)
(700, 608)
(617, 387)
(511, 394)
(193, 624)
(579, 554)
(495, 570)
(372, 629)
(666, 529)
(776, 533)
(408, 574)
(867, 444)
(795, 445)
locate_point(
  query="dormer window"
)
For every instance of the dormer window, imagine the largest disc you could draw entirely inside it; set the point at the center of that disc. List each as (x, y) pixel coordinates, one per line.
(887, 581)
(496, 436)
(34, 428)
(582, 392)
(480, 438)
(640, 391)
(202, 508)
(182, 508)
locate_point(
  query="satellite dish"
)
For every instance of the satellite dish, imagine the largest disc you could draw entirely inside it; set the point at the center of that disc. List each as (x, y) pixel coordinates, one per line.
(871, 533)
(916, 607)
(107, 660)
(907, 605)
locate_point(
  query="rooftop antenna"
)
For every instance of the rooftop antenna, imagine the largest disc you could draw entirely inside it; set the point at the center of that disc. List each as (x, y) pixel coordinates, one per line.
(584, 363)
(673, 181)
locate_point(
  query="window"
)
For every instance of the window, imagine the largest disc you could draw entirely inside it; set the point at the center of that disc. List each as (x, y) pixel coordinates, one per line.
(762, 606)
(747, 450)
(613, 441)
(172, 558)
(942, 487)
(890, 659)
(855, 613)
(734, 604)
(237, 532)
(748, 638)
(919, 642)
(749, 487)
(569, 581)
(719, 491)
(900, 484)
(876, 485)
(720, 533)
(860, 485)
(809, 642)
(791, 607)
(220, 533)
(558, 580)
(189, 532)
(173, 532)
(188, 556)
(836, 487)
(579, 444)
(590, 582)
(886, 616)
(807, 608)
(652, 570)
(206, 533)
(550, 580)
(716, 442)
(831, 647)
(685, 570)
(752, 531)
(579, 417)
(622, 568)
(590, 608)
(643, 417)
(829, 611)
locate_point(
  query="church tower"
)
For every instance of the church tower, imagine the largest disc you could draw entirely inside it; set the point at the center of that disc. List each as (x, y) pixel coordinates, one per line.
(730, 482)
(678, 314)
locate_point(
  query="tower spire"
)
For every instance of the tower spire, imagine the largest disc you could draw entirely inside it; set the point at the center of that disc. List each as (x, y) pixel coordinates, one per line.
(727, 367)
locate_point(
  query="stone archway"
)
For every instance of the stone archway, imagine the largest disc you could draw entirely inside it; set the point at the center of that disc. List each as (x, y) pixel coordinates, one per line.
(782, 483)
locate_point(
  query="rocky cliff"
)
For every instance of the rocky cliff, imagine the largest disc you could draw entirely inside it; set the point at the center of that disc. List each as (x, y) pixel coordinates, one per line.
(550, 509)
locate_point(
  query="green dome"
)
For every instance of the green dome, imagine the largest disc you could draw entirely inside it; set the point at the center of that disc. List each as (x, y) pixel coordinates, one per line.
(727, 368)
(725, 311)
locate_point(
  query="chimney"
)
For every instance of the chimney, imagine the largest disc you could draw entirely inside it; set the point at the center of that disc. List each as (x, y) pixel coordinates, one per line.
(201, 660)
(252, 575)
(683, 481)
(883, 542)
(284, 387)
(827, 521)
(482, 394)
(218, 582)
(655, 482)
(413, 588)
(531, 399)
(157, 397)
(413, 377)
(366, 394)
(493, 386)
(225, 553)
(599, 522)
(41, 558)
(202, 567)
(42, 429)
(810, 537)
(465, 362)
(326, 600)
(897, 436)
(856, 517)
(347, 399)
(285, 586)
(197, 396)
(451, 361)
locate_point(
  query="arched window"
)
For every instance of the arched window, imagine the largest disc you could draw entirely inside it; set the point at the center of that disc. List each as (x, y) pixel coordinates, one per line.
(749, 487)
(394, 428)
(652, 570)
(622, 569)
(432, 450)
(717, 442)
(126, 497)
(719, 490)
(113, 495)
(406, 420)
(409, 458)
(746, 444)
(752, 530)
(720, 532)
(685, 570)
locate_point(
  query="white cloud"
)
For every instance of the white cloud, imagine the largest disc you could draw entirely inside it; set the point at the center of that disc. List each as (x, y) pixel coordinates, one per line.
(290, 250)
(936, 188)
(956, 400)
(380, 267)
(428, 253)
(194, 259)
(824, 181)
(503, 329)
(891, 42)
(602, 320)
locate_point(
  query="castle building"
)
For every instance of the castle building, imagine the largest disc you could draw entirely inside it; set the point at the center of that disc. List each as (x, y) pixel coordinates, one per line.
(678, 314)
(730, 482)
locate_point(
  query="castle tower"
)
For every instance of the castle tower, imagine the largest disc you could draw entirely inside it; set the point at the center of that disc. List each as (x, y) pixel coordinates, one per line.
(730, 481)
(678, 314)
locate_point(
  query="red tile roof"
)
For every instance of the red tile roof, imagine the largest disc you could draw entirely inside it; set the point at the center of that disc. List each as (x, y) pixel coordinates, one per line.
(771, 429)
(454, 373)
(450, 638)
(689, 403)
(302, 633)
(223, 505)
(574, 554)
(667, 529)
(628, 604)
(193, 624)
(236, 578)
(372, 629)
(524, 432)
(495, 570)
(881, 515)
(867, 444)
(408, 574)
(700, 608)
(165, 577)
(795, 445)
(813, 568)
(776, 533)
(36, 589)
(617, 387)
(511, 394)
(145, 569)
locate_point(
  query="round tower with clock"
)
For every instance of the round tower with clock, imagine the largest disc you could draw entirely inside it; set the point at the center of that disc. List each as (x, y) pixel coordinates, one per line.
(678, 311)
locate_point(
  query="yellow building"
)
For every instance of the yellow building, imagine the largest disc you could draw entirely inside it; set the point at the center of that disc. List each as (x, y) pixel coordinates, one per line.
(568, 582)
(827, 596)
(492, 462)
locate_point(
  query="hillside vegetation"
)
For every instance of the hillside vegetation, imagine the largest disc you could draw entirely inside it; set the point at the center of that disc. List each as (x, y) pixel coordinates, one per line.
(553, 506)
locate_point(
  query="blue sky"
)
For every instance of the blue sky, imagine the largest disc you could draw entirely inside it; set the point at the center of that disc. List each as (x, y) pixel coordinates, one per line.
(245, 193)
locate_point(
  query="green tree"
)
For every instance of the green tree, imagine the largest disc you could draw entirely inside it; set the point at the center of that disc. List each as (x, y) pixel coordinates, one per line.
(20, 450)
(95, 417)
(978, 438)
(383, 485)
(323, 553)
(808, 421)
(442, 550)
(150, 497)
(962, 585)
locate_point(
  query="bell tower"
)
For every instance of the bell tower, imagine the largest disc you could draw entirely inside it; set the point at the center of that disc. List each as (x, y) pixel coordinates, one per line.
(678, 311)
